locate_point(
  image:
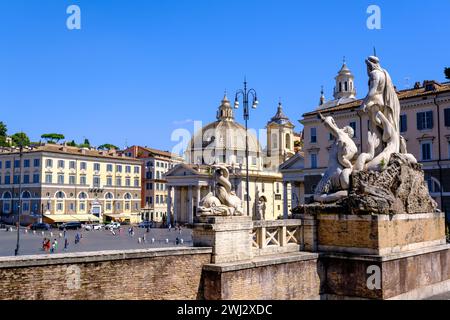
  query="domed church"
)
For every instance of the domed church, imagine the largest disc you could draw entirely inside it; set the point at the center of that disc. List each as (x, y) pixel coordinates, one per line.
(223, 142)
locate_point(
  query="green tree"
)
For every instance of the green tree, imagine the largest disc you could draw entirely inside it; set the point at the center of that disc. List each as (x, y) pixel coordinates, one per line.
(3, 129)
(107, 146)
(447, 73)
(72, 143)
(52, 137)
(20, 139)
(85, 144)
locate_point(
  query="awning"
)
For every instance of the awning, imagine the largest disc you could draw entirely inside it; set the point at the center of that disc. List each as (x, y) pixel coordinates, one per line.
(118, 215)
(71, 218)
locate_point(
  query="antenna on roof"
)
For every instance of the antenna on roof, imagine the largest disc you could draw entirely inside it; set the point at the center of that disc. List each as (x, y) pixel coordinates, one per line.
(374, 51)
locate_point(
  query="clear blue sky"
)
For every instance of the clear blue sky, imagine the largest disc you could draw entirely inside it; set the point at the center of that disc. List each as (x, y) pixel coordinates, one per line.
(139, 69)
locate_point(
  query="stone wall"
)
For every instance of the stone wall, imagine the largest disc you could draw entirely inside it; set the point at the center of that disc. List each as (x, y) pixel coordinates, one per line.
(152, 274)
(292, 276)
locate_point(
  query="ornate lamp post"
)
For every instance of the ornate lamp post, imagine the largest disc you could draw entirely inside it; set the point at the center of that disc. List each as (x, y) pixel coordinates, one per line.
(16, 252)
(245, 94)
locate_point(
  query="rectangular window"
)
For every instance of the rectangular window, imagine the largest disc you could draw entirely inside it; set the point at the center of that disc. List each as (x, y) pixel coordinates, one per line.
(7, 179)
(118, 168)
(83, 165)
(127, 169)
(96, 166)
(1, 164)
(109, 181)
(72, 165)
(48, 178)
(36, 178)
(36, 162)
(49, 163)
(109, 167)
(96, 182)
(136, 182)
(16, 179)
(60, 164)
(108, 206)
(148, 175)
(403, 123)
(426, 150)
(128, 182)
(447, 117)
(16, 163)
(26, 178)
(353, 126)
(136, 169)
(313, 160)
(118, 182)
(425, 120)
(313, 135)
(72, 179)
(82, 206)
(83, 181)
(26, 163)
(151, 200)
(60, 179)
(8, 164)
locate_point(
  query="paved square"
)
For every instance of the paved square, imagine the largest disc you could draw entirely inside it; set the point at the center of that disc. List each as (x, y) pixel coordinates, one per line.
(31, 243)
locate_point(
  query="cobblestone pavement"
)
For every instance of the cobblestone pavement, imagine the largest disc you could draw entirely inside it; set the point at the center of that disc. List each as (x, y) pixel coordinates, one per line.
(31, 243)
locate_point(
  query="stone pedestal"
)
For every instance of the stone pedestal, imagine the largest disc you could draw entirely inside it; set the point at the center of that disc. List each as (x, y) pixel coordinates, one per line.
(379, 234)
(230, 237)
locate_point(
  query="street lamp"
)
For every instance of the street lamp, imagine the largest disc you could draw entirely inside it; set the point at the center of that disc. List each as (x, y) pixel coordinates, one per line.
(16, 252)
(245, 94)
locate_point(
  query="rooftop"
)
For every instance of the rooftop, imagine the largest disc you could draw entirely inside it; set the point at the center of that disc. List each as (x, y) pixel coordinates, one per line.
(426, 89)
(63, 149)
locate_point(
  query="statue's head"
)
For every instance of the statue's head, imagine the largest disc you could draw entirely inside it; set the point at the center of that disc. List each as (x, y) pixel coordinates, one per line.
(349, 131)
(372, 63)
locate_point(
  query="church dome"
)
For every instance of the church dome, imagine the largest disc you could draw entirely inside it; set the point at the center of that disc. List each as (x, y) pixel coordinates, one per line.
(222, 141)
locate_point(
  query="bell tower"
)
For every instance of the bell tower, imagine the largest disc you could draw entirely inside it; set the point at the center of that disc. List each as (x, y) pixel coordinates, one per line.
(345, 84)
(280, 139)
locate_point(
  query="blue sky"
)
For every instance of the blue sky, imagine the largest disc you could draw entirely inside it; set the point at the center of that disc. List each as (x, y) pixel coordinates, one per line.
(137, 70)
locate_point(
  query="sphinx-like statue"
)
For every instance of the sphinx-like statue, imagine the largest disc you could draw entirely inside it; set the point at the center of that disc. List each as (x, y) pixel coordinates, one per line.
(225, 202)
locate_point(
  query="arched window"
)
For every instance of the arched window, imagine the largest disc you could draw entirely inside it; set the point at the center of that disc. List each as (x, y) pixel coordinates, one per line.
(274, 141)
(26, 195)
(288, 141)
(340, 86)
(127, 196)
(433, 184)
(109, 196)
(60, 195)
(346, 86)
(7, 195)
(82, 195)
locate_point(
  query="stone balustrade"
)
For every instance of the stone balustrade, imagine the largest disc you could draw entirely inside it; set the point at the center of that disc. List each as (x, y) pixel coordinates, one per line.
(279, 236)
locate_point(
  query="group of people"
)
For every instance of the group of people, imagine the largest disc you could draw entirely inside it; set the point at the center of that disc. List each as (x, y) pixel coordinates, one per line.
(52, 246)
(177, 228)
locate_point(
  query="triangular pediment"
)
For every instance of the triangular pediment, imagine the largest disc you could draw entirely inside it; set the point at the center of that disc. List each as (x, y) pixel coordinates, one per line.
(182, 170)
(295, 162)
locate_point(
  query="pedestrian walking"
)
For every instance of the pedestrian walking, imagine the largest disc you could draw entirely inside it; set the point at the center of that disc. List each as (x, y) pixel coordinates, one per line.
(66, 244)
(44, 244)
(77, 238)
(52, 250)
(64, 232)
(112, 231)
(55, 242)
(144, 238)
(177, 241)
(170, 227)
(179, 230)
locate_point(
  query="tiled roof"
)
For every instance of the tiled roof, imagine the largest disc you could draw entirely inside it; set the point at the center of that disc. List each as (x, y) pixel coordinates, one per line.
(57, 148)
(402, 95)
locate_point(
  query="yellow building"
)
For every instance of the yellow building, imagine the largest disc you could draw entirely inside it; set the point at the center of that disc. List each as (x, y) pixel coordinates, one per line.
(58, 183)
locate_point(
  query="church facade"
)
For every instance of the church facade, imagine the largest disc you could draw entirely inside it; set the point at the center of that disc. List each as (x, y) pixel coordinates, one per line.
(223, 142)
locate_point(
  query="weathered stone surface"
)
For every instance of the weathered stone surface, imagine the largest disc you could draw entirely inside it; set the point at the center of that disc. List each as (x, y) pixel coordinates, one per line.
(398, 189)
(135, 275)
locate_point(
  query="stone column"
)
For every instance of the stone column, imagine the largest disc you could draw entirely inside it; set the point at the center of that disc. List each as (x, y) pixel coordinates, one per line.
(169, 204)
(285, 200)
(198, 197)
(190, 209)
(177, 200)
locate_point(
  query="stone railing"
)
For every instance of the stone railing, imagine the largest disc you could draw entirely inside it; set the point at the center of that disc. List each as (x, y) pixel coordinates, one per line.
(279, 236)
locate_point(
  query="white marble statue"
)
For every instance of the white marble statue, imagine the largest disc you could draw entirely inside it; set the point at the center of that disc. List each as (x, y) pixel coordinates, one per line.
(336, 180)
(225, 202)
